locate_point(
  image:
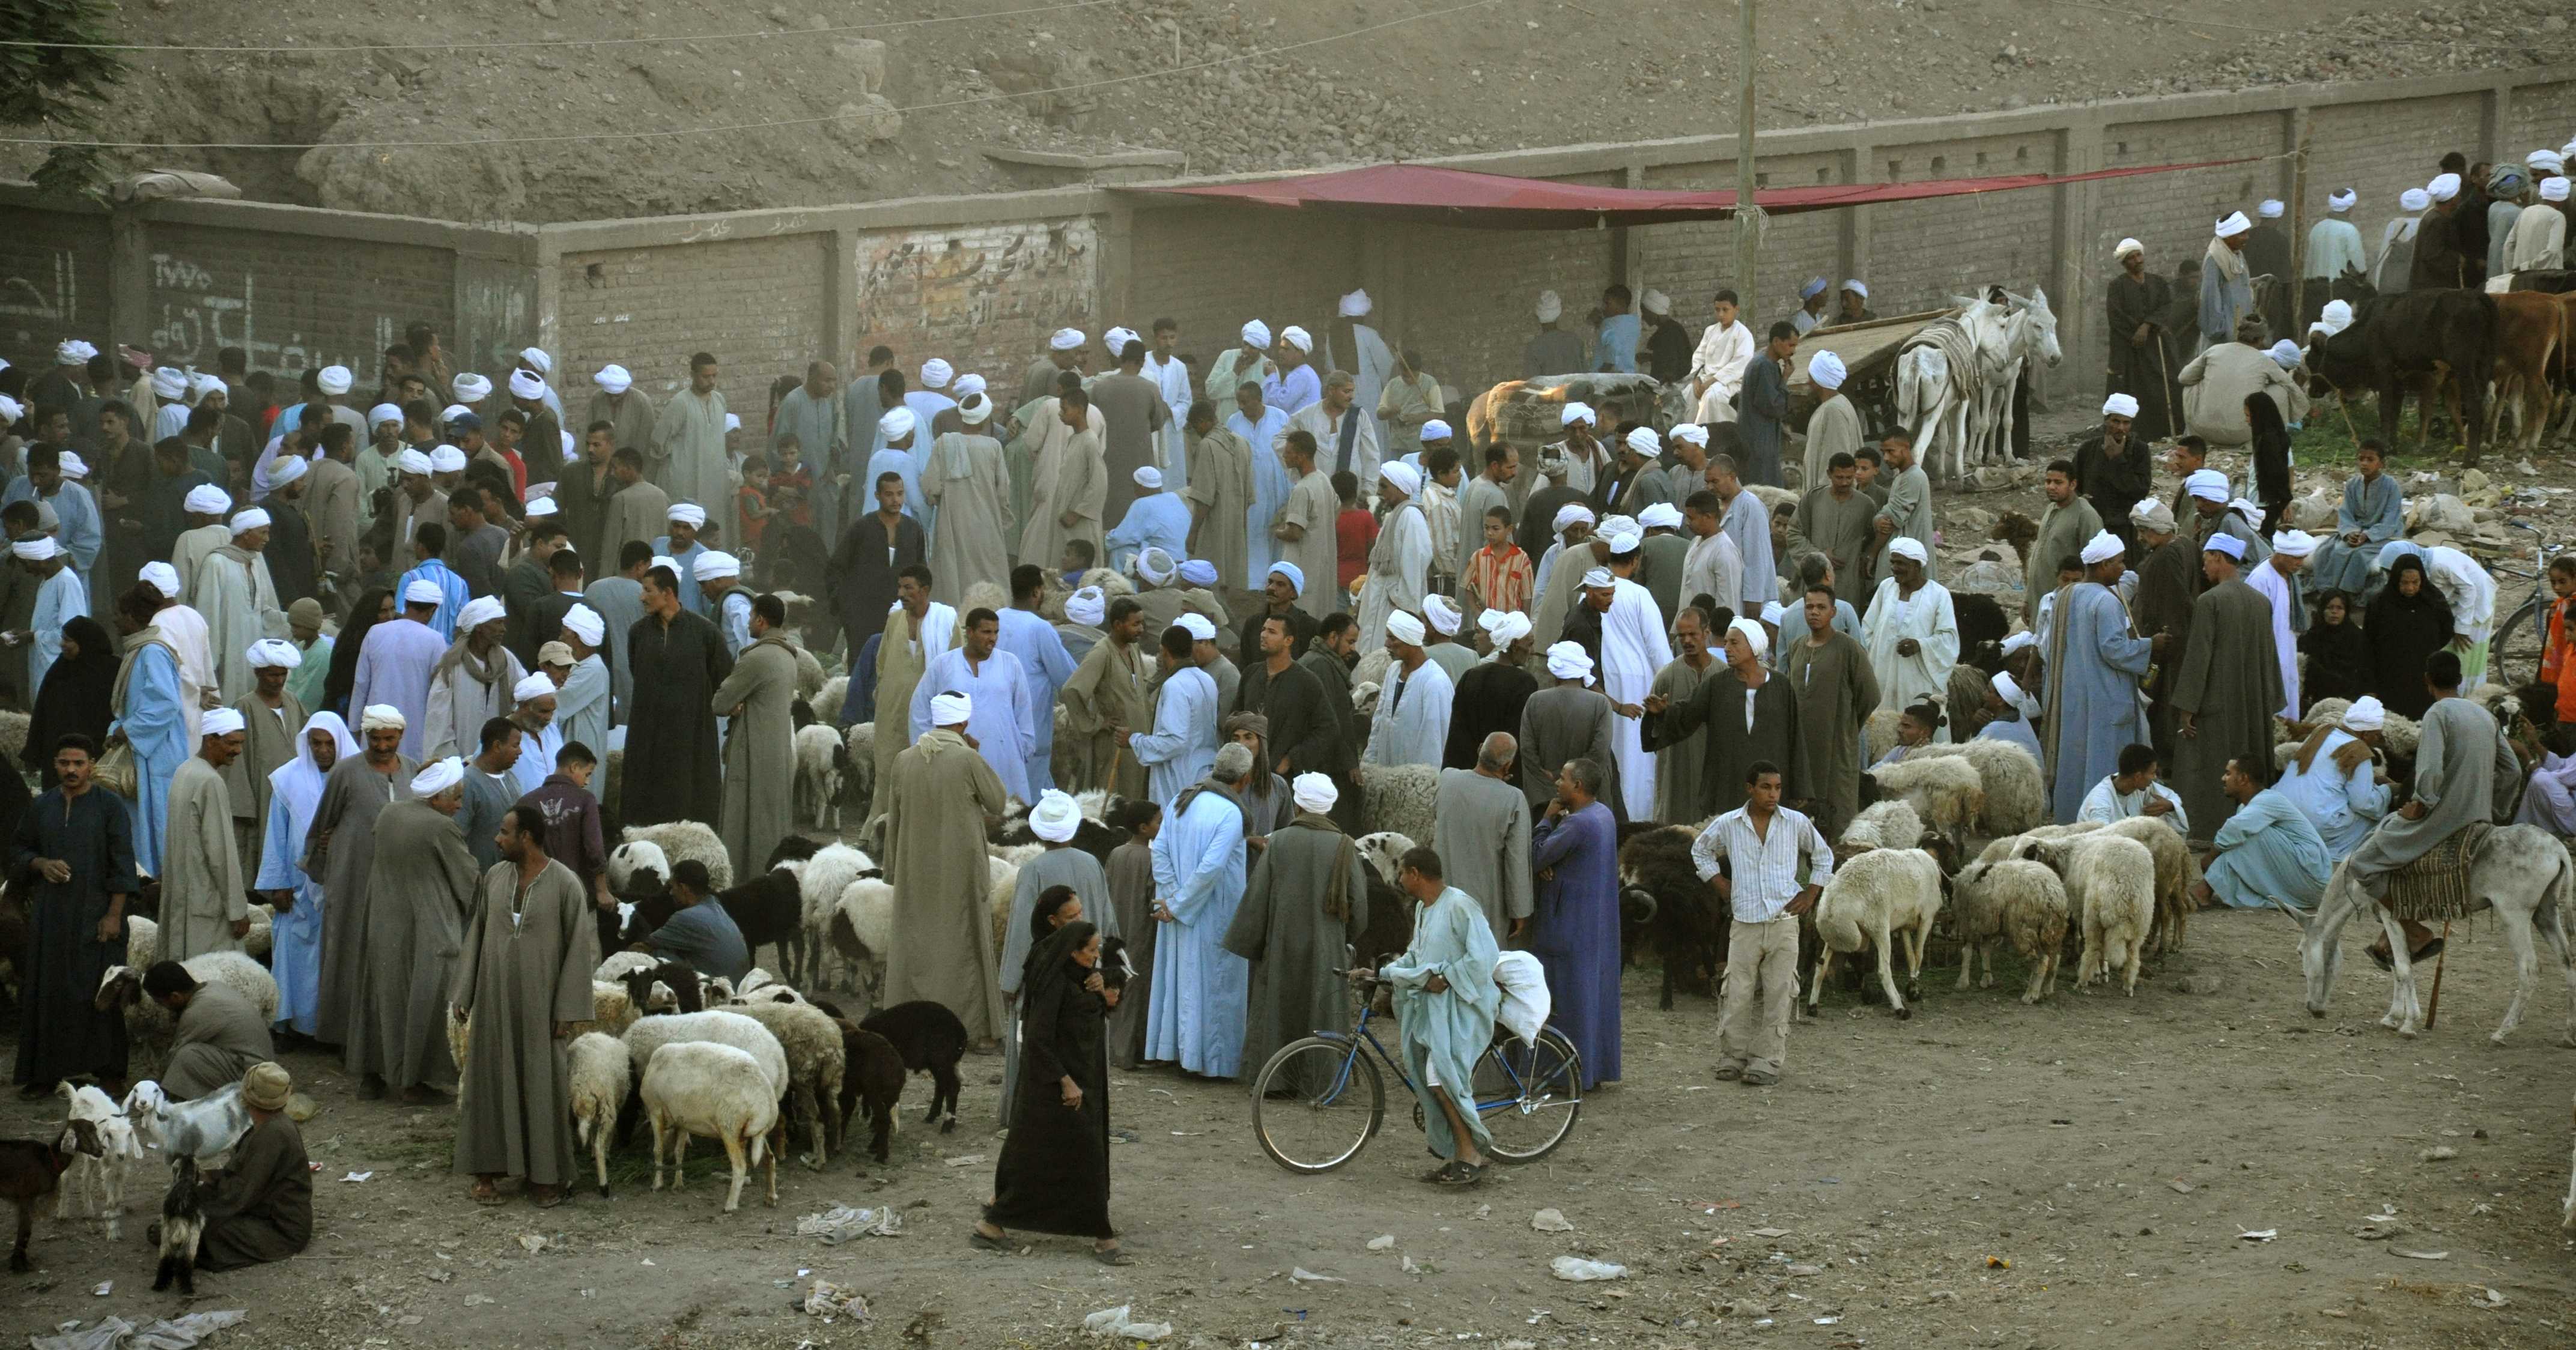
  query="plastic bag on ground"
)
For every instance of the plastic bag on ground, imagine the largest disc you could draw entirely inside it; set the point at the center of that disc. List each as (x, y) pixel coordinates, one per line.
(1113, 1322)
(841, 1223)
(1577, 1268)
(115, 1333)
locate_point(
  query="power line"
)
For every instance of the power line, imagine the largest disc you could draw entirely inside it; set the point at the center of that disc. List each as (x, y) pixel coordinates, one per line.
(752, 36)
(1261, 54)
(2369, 40)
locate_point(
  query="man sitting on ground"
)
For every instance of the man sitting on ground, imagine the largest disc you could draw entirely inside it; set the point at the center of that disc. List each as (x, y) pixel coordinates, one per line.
(699, 931)
(260, 1207)
(2135, 791)
(220, 1034)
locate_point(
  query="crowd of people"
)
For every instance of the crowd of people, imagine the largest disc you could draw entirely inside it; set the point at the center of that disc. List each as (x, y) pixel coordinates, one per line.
(372, 653)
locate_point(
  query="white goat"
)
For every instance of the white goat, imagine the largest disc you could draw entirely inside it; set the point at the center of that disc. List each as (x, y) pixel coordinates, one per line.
(697, 1087)
(204, 1130)
(818, 778)
(99, 1181)
(1870, 899)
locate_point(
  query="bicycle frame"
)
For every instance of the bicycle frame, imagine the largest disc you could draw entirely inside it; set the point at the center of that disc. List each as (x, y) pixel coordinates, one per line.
(1360, 1034)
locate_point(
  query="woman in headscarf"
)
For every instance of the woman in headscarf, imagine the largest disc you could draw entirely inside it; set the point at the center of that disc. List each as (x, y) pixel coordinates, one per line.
(1053, 1176)
(74, 697)
(2271, 446)
(1055, 907)
(2408, 622)
(374, 607)
(2338, 653)
(145, 700)
(1265, 800)
(295, 950)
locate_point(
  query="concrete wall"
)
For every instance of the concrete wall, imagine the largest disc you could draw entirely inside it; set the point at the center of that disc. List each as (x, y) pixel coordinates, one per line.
(981, 281)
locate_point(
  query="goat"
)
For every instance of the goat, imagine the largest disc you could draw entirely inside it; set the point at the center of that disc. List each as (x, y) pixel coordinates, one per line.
(770, 912)
(931, 1040)
(99, 1180)
(204, 1129)
(30, 1169)
(183, 1225)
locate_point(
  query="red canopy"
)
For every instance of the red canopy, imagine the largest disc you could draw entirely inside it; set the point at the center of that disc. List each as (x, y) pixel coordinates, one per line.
(1491, 201)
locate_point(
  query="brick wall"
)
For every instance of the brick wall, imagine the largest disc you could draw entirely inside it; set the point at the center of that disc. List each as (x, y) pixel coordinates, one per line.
(1213, 267)
(53, 285)
(2540, 119)
(756, 304)
(291, 305)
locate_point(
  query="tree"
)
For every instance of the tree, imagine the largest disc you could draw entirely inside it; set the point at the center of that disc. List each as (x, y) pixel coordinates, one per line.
(56, 72)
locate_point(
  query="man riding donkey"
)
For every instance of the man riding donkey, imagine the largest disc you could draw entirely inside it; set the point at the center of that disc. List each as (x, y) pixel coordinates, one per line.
(2427, 845)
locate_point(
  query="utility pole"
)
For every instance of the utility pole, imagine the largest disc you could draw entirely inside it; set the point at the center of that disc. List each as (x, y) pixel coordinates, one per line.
(1748, 225)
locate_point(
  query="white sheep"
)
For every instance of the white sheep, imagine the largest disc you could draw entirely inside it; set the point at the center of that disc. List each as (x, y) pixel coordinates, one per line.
(818, 781)
(1878, 732)
(1402, 798)
(601, 1073)
(1889, 824)
(628, 859)
(680, 841)
(2016, 901)
(827, 701)
(723, 1026)
(816, 1064)
(862, 933)
(142, 942)
(697, 1087)
(809, 668)
(2016, 794)
(2176, 873)
(819, 884)
(151, 1027)
(98, 1181)
(1946, 792)
(1868, 900)
(2111, 891)
(256, 942)
(619, 965)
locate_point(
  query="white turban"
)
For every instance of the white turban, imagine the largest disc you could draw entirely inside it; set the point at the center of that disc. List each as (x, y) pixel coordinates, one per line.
(1754, 637)
(1692, 432)
(270, 653)
(1055, 817)
(412, 461)
(969, 383)
(1296, 575)
(974, 409)
(1066, 339)
(1256, 334)
(541, 507)
(1435, 430)
(531, 687)
(246, 521)
(1116, 340)
(1656, 302)
(281, 471)
(1660, 516)
(76, 468)
(1444, 616)
(169, 382)
(1149, 477)
(2443, 187)
(2225, 543)
(470, 388)
(36, 548)
(935, 373)
(438, 777)
(1904, 547)
(2270, 209)
(1197, 625)
(2545, 161)
(2024, 638)
(2553, 189)
(536, 358)
(1815, 287)
(1567, 661)
(479, 611)
(2365, 714)
(163, 576)
(1314, 792)
(74, 352)
(613, 379)
(1087, 607)
(1355, 305)
(1510, 628)
(2335, 317)
(2208, 485)
(2120, 405)
(713, 565)
(2414, 199)
(219, 722)
(447, 459)
(2007, 689)
(1404, 628)
(2153, 515)
(688, 513)
(1549, 307)
(424, 592)
(897, 424)
(2294, 543)
(584, 623)
(525, 384)
(2126, 247)
(1599, 577)
(2102, 546)
(951, 709)
(1572, 513)
(1644, 441)
(1406, 478)
(1773, 612)
(1825, 370)
(1575, 412)
(1155, 565)
(1196, 571)
(1298, 338)
(2286, 354)
(2234, 225)
(1624, 542)
(380, 717)
(205, 499)
(1856, 287)
(332, 380)
(2341, 200)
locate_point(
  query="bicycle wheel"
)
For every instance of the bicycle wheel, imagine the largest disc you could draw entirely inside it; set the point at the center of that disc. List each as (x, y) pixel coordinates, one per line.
(1529, 1095)
(1317, 1103)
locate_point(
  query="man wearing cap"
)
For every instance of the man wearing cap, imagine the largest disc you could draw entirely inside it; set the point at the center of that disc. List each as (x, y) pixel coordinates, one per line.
(1154, 519)
(59, 599)
(2226, 282)
(1911, 629)
(934, 800)
(2095, 662)
(2538, 239)
(312, 647)
(204, 906)
(421, 888)
(272, 719)
(687, 453)
(1399, 563)
(470, 683)
(2508, 188)
(2063, 529)
(2216, 383)
(2334, 253)
(1069, 484)
(2227, 688)
(1219, 496)
(2276, 579)
(967, 485)
(233, 590)
(1567, 719)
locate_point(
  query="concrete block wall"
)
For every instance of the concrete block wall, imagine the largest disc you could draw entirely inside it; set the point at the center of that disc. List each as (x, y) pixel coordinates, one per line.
(756, 304)
(291, 306)
(53, 284)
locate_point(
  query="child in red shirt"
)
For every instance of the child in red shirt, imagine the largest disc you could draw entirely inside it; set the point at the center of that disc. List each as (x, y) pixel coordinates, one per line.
(1499, 575)
(791, 488)
(752, 502)
(1354, 531)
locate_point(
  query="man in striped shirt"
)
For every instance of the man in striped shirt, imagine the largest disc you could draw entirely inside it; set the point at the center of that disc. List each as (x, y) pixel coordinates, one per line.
(1766, 843)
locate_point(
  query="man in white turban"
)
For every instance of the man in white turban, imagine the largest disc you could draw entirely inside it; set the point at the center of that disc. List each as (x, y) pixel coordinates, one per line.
(420, 892)
(232, 588)
(680, 544)
(60, 598)
(1399, 564)
(1353, 344)
(1247, 363)
(2226, 285)
(629, 412)
(472, 680)
(1911, 629)
(2094, 663)
(1155, 518)
(1634, 649)
(2538, 239)
(2334, 252)
(1835, 427)
(929, 400)
(1069, 480)
(204, 908)
(1296, 384)
(1064, 352)
(2443, 256)
(272, 719)
(2277, 579)
(205, 508)
(941, 883)
(1413, 704)
(540, 737)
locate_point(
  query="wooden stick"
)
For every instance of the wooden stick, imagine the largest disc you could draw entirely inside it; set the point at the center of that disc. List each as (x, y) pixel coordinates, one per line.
(2435, 1009)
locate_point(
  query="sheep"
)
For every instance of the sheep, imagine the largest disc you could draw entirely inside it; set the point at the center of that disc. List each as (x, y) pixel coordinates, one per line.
(2176, 873)
(619, 965)
(1887, 824)
(601, 1075)
(816, 1064)
(2111, 890)
(31, 1169)
(931, 1040)
(99, 1180)
(142, 942)
(724, 1026)
(2013, 900)
(636, 868)
(1946, 792)
(679, 840)
(809, 668)
(699, 1087)
(862, 931)
(151, 1026)
(1871, 898)
(2014, 845)
(819, 884)
(1402, 798)
(13, 734)
(859, 779)
(1687, 922)
(828, 699)
(1878, 732)
(1002, 870)
(820, 754)
(2016, 794)
(255, 943)
(769, 911)
(1371, 668)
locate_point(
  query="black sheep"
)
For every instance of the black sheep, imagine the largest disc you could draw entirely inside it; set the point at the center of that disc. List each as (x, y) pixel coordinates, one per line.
(770, 911)
(1682, 915)
(1981, 620)
(874, 1075)
(931, 1040)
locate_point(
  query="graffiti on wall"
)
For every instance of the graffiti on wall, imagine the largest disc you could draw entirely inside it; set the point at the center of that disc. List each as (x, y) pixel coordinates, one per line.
(198, 314)
(1003, 286)
(41, 303)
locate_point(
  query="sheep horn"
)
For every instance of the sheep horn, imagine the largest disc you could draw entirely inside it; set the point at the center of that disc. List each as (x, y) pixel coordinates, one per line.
(1645, 897)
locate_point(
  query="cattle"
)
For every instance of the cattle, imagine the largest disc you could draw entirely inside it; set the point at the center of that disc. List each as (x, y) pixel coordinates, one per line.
(2547, 281)
(1530, 412)
(2531, 336)
(2411, 340)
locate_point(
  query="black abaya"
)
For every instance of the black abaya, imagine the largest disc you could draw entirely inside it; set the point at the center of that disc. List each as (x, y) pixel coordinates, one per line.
(2403, 631)
(1054, 1172)
(75, 695)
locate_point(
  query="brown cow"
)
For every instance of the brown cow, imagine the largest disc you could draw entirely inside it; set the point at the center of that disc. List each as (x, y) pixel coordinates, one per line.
(2531, 336)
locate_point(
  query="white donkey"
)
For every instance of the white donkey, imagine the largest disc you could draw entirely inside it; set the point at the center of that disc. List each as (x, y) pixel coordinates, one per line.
(2027, 332)
(2521, 870)
(1937, 373)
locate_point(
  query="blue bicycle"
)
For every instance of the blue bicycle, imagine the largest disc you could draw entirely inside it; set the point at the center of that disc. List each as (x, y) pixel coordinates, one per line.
(1319, 1101)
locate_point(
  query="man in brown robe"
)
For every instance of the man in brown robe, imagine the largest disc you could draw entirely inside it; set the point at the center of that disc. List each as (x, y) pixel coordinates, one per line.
(1106, 696)
(220, 1032)
(420, 889)
(1677, 794)
(523, 982)
(354, 794)
(1219, 494)
(1776, 733)
(916, 630)
(2226, 691)
(2168, 580)
(760, 741)
(259, 1207)
(1136, 415)
(937, 801)
(1837, 691)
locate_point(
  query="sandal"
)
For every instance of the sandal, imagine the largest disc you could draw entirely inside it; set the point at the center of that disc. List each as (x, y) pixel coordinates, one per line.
(484, 1194)
(1112, 1257)
(1445, 1172)
(1466, 1175)
(991, 1244)
(547, 1197)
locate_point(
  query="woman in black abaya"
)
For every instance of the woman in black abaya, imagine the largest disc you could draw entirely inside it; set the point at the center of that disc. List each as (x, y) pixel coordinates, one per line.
(1054, 1173)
